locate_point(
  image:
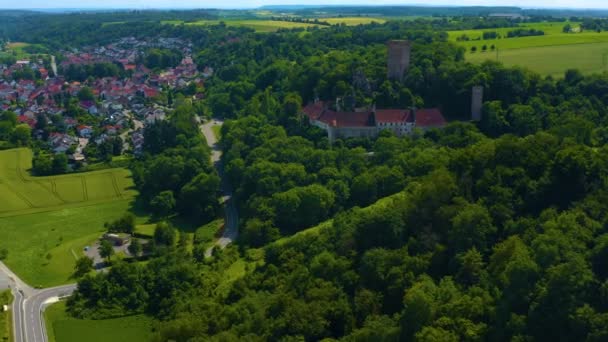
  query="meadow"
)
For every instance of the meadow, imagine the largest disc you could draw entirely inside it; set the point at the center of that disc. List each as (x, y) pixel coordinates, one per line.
(553, 60)
(551, 54)
(265, 25)
(63, 328)
(23, 193)
(257, 25)
(45, 222)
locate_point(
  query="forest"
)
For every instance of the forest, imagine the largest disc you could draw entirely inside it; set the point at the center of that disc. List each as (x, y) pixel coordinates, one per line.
(479, 231)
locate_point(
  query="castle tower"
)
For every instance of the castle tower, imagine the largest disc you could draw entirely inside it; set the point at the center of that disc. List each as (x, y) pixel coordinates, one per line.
(398, 58)
(476, 103)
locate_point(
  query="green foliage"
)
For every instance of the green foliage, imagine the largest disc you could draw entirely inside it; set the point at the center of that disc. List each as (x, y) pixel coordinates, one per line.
(162, 58)
(83, 266)
(125, 224)
(106, 249)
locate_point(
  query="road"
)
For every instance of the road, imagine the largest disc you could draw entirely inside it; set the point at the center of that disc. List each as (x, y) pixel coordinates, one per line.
(231, 219)
(28, 305)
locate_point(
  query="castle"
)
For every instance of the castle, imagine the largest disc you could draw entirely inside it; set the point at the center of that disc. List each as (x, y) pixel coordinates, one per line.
(368, 123)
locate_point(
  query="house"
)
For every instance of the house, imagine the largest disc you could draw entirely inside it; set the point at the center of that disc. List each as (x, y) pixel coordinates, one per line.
(111, 130)
(369, 123)
(85, 131)
(117, 239)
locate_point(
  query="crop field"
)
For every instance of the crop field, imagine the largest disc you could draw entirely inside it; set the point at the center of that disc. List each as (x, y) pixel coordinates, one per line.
(353, 21)
(257, 25)
(43, 247)
(25, 194)
(553, 60)
(63, 328)
(551, 54)
(45, 222)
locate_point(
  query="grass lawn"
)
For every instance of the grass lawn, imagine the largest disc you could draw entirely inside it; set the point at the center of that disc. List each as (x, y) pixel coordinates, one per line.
(553, 60)
(5, 317)
(26, 194)
(63, 328)
(207, 232)
(217, 131)
(62, 234)
(46, 221)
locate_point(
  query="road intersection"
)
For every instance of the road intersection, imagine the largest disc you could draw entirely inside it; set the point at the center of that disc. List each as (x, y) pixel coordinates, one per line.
(29, 304)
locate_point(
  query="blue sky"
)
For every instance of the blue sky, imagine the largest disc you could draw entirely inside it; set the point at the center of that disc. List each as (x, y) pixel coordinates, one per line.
(256, 3)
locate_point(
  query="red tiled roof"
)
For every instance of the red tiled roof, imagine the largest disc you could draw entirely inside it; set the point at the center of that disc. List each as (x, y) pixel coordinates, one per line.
(346, 119)
(314, 110)
(429, 117)
(392, 115)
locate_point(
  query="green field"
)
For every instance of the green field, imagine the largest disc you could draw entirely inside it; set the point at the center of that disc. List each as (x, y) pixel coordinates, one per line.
(63, 328)
(26, 194)
(553, 60)
(551, 54)
(263, 25)
(46, 221)
(5, 317)
(257, 25)
(61, 233)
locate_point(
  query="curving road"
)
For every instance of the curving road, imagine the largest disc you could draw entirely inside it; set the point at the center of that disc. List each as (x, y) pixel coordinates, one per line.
(28, 306)
(231, 221)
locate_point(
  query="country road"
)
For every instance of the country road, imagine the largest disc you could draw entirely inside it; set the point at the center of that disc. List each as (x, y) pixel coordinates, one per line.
(28, 306)
(231, 221)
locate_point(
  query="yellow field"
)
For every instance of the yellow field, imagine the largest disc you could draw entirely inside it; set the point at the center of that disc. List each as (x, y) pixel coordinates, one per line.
(353, 21)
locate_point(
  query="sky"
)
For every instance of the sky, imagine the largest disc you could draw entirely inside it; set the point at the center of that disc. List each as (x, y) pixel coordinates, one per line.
(143, 4)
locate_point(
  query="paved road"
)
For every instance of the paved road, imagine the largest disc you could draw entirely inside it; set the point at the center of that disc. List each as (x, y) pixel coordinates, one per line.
(28, 305)
(33, 307)
(231, 220)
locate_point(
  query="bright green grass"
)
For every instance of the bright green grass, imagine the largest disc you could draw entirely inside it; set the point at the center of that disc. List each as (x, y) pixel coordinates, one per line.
(17, 47)
(257, 25)
(63, 328)
(6, 298)
(207, 232)
(553, 36)
(217, 131)
(23, 193)
(61, 233)
(553, 60)
(146, 229)
(551, 54)
(353, 21)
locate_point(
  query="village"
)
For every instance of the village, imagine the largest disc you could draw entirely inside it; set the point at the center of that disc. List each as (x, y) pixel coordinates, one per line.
(77, 117)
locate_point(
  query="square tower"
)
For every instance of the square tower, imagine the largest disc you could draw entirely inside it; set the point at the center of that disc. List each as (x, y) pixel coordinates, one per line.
(398, 58)
(476, 103)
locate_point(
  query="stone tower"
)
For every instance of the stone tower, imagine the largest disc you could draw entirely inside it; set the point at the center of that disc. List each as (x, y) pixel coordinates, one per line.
(398, 58)
(476, 103)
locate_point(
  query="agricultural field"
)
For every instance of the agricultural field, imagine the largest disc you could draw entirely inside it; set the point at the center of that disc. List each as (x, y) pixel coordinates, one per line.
(45, 222)
(257, 25)
(353, 21)
(63, 328)
(554, 60)
(551, 54)
(264, 25)
(23, 193)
